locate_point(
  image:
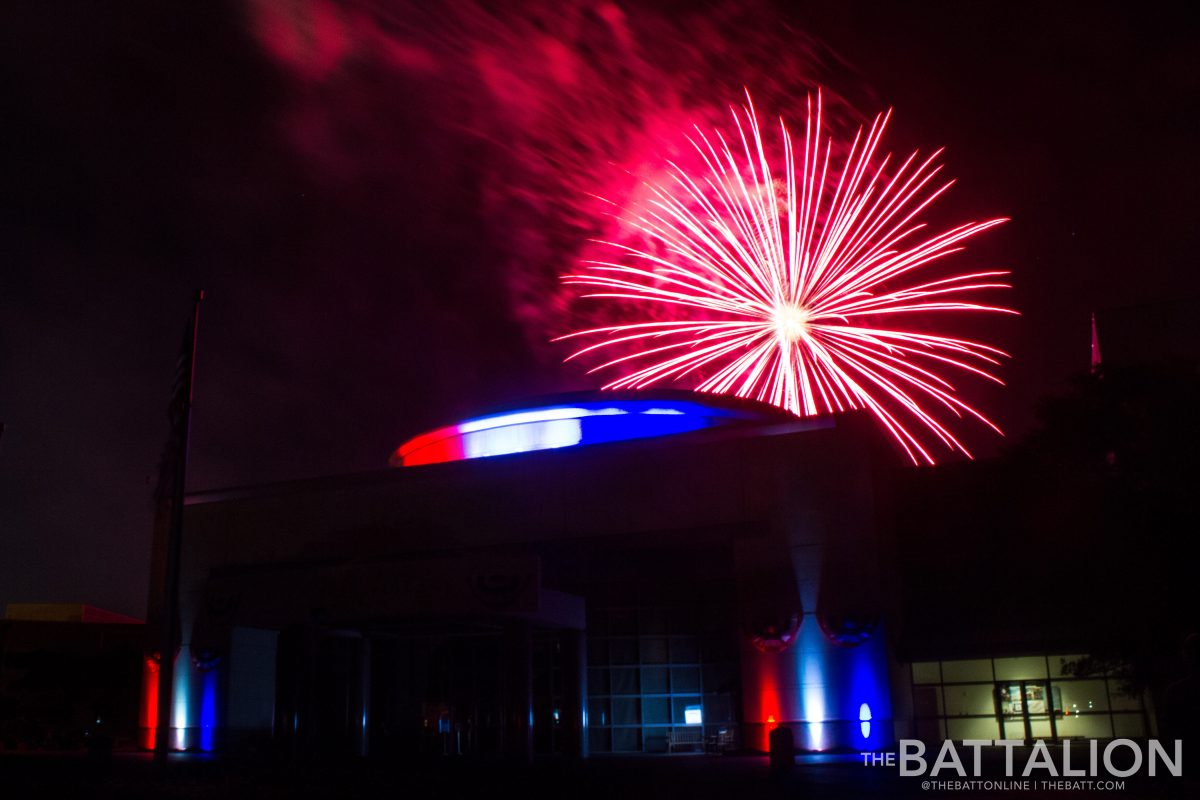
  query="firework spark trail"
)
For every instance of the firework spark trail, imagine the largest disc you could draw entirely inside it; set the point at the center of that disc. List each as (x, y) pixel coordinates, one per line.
(779, 286)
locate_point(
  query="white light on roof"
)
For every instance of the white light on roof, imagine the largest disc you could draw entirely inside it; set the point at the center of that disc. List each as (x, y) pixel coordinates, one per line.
(545, 435)
(521, 418)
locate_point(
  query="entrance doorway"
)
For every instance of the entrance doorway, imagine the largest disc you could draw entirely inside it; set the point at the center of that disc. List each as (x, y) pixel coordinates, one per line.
(1027, 710)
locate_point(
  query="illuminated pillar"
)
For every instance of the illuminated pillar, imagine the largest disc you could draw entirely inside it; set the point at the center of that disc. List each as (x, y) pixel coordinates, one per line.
(148, 717)
(209, 672)
(810, 669)
(830, 687)
(181, 701)
(770, 605)
(195, 702)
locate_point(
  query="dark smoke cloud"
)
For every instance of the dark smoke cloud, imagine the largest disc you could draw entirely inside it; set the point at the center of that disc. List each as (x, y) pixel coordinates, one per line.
(554, 105)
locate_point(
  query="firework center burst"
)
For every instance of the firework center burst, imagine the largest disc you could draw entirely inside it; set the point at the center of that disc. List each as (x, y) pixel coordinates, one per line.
(791, 322)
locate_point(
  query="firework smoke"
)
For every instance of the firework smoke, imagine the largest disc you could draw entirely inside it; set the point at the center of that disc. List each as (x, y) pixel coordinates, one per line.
(550, 105)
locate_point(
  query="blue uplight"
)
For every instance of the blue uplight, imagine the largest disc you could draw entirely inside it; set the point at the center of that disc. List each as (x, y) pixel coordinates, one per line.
(208, 710)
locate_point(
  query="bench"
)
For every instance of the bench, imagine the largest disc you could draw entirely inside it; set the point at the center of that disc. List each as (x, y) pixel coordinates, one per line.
(722, 742)
(691, 738)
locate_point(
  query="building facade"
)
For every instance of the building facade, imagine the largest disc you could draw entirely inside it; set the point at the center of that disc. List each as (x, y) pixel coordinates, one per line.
(641, 573)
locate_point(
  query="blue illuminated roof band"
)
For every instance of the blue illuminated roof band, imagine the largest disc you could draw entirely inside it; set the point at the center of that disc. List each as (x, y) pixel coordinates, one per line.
(562, 425)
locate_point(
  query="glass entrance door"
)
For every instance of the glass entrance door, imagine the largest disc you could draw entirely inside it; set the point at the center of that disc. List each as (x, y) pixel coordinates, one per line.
(1026, 710)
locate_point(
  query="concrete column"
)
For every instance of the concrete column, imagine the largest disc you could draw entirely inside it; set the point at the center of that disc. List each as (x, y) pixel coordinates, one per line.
(362, 697)
(574, 645)
(518, 686)
(307, 701)
(295, 726)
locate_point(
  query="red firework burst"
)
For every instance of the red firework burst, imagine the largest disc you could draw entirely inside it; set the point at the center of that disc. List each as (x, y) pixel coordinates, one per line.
(778, 288)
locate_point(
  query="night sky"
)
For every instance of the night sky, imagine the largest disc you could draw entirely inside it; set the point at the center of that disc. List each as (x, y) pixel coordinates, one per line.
(378, 198)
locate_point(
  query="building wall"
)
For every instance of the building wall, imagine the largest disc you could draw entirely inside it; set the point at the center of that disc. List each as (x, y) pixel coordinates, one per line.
(794, 502)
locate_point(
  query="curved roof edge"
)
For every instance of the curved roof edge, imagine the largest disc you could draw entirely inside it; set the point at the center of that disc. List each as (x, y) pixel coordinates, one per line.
(578, 419)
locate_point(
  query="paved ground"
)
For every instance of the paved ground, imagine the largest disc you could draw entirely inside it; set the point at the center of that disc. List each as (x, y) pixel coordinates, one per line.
(694, 778)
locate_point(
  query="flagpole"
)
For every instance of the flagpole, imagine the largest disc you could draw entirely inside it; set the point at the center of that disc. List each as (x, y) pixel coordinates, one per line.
(170, 621)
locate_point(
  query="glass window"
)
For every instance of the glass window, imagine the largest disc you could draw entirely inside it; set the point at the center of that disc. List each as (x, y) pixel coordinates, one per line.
(972, 729)
(646, 668)
(1058, 664)
(1087, 726)
(624, 681)
(654, 680)
(1023, 668)
(1083, 697)
(1012, 727)
(970, 699)
(656, 710)
(1032, 699)
(625, 740)
(655, 739)
(979, 669)
(685, 679)
(626, 711)
(679, 706)
(598, 712)
(1121, 701)
(1039, 727)
(927, 672)
(1012, 700)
